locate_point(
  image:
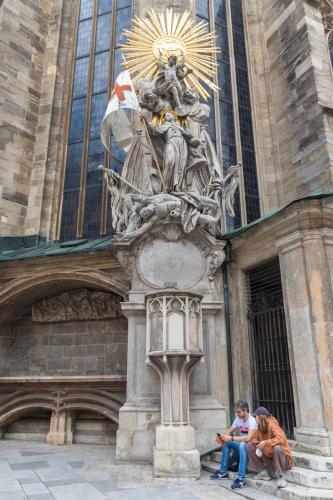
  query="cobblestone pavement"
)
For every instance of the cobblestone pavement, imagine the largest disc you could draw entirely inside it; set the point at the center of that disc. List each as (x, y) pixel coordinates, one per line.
(39, 471)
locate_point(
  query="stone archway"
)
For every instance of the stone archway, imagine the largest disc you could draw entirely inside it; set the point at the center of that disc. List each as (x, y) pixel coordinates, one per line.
(81, 375)
(21, 293)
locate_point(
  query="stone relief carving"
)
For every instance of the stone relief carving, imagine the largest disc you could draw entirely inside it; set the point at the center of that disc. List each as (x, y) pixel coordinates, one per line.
(216, 261)
(78, 304)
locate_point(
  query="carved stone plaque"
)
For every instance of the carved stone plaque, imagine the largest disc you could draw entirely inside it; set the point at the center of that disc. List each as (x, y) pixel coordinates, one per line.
(171, 264)
(78, 304)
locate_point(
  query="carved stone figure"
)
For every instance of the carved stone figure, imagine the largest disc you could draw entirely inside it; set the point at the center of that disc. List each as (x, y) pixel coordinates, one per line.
(168, 79)
(179, 152)
(77, 304)
(192, 107)
(147, 210)
(182, 164)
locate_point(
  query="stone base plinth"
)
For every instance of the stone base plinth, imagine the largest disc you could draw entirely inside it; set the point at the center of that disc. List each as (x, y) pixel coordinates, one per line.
(136, 434)
(174, 453)
(312, 440)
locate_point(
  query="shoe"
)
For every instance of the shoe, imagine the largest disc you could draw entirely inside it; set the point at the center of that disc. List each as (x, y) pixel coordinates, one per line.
(262, 476)
(281, 482)
(219, 475)
(238, 484)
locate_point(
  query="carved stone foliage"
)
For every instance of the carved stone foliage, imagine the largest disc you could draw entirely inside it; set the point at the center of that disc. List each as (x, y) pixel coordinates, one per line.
(77, 304)
(326, 9)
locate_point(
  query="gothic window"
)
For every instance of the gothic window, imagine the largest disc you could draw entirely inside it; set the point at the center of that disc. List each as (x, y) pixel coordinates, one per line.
(233, 106)
(85, 205)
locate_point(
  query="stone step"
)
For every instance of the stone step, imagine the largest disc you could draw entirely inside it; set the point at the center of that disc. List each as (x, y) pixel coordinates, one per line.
(249, 492)
(313, 462)
(310, 478)
(290, 492)
(304, 460)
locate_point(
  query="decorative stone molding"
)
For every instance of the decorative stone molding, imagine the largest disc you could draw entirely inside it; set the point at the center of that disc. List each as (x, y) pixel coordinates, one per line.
(77, 304)
(61, 395)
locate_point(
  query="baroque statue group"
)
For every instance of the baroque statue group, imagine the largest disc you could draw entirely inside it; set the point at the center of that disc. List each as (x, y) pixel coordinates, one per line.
(171, 171)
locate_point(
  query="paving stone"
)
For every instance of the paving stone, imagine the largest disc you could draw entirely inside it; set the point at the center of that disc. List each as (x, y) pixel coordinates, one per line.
(33, 453)
(35, 489)
(5, 467)
(82, 491)
(76, 464)
(13, 496)
(89, 472)
(47, 496)
(106, 486)
(7, 486)
(18, 475)
(30, 466)
(63, 482)
(32, 480)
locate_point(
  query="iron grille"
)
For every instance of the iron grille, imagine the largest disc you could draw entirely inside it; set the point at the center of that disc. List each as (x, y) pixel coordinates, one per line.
(271, 376)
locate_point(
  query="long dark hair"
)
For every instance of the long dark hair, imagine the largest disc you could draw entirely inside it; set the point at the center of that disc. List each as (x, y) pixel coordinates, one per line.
(263, 423)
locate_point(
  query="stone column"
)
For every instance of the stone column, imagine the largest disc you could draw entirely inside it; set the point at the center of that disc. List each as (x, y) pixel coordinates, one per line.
(60, 428)
(174, 347)
(308, 304)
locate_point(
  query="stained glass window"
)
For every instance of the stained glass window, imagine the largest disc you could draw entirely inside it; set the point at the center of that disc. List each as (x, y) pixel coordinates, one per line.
(97, 63)
(226, 102)
(245, 115)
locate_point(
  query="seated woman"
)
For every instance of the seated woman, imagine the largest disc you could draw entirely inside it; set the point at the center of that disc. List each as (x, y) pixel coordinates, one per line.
(269, 450)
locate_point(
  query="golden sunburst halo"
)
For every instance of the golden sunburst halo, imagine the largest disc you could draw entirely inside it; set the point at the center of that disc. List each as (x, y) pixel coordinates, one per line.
(171, 34)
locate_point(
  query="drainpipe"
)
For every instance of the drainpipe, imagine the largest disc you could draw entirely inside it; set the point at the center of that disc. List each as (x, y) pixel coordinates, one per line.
(227, 326)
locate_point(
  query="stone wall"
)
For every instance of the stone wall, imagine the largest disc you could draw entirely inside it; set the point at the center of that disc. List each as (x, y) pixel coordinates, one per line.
(97, 347)
(23, 31)
(35, 57)
(292, 93)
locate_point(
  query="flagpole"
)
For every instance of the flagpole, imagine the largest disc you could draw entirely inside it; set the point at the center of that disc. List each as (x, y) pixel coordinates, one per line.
(117, 176)
(154, 153)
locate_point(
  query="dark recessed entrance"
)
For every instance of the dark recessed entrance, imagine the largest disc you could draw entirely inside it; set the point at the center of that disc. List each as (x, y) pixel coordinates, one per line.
(271, 376)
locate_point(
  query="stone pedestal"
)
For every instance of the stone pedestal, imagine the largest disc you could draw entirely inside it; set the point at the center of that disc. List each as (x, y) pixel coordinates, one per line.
(61, 426)
(168, 260)
(175, 453)
(174, 347)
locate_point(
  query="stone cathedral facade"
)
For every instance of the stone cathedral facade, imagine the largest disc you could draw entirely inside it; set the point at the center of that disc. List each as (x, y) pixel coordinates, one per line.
(70, 372)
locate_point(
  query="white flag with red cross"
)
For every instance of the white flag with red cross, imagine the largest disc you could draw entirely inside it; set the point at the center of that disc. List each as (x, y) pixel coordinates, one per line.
(123, 97)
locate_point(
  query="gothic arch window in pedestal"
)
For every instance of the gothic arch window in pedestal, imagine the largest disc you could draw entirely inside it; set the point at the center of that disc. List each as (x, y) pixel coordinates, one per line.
(85, 210)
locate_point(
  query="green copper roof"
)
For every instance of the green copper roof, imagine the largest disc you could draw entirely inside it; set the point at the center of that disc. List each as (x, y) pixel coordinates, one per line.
(270, 214)
(43, 248)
